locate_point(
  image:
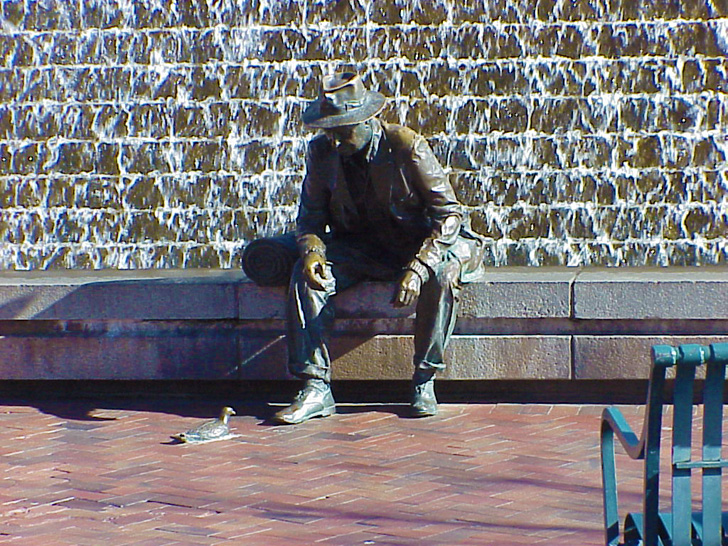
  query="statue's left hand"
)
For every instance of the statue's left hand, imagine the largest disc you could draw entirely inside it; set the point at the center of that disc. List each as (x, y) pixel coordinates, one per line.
(408, 289)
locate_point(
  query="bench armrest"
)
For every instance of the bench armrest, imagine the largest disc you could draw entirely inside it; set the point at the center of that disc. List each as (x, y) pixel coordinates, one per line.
(613, 419)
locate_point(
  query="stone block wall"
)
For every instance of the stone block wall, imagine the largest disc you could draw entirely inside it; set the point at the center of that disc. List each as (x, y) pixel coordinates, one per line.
(166, 134)
(529, 324)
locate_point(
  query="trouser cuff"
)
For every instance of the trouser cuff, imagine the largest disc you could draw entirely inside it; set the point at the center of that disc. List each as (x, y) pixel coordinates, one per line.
(424, 365)
(311, 372)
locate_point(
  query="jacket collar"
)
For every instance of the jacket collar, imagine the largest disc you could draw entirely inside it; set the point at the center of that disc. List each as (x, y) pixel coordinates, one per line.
(374, 142)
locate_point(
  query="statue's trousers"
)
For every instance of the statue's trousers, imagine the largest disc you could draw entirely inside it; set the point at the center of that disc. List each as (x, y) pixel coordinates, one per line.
(311, 312)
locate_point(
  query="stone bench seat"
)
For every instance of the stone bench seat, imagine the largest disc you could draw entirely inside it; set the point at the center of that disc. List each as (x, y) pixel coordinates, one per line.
(519, 323)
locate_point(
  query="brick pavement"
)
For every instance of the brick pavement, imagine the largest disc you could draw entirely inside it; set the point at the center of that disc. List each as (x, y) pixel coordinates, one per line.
(92, 472)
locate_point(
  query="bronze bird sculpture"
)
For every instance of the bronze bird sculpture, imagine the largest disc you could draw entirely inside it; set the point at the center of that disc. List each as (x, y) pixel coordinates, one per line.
(216, 429)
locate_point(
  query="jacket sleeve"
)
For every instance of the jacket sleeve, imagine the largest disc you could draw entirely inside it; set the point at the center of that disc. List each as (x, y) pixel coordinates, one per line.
(441, 206)
(313, 209)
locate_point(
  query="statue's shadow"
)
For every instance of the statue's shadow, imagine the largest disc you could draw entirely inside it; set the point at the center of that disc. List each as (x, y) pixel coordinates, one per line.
(345, 409)
(400, 410)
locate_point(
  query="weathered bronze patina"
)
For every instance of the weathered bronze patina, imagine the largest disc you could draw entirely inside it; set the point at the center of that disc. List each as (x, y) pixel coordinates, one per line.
(375, 205)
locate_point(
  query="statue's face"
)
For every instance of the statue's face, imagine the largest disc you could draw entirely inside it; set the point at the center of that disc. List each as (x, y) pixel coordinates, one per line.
(350, 139)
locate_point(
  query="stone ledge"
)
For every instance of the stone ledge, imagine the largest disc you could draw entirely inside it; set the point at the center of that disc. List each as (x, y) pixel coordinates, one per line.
(524, 293)
(119, 295)
(515, 293)
(651, 293)
(222, 294)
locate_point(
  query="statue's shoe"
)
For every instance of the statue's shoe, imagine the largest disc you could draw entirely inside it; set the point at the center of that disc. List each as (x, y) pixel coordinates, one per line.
(424, 403)
(312, 401)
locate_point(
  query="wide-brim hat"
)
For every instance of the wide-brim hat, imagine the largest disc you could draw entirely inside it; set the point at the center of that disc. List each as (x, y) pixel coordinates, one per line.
(343, 101)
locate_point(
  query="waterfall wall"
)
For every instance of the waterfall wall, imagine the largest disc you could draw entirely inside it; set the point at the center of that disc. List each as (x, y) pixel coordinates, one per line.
(166, 133)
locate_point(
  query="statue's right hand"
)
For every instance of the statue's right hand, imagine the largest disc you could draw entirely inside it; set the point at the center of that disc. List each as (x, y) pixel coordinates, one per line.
(314, 270)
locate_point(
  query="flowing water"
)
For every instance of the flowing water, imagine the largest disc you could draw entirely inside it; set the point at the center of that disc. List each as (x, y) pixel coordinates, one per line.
(158, 134)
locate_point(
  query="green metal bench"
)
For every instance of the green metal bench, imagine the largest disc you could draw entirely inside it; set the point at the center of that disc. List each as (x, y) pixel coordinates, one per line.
(680, 526)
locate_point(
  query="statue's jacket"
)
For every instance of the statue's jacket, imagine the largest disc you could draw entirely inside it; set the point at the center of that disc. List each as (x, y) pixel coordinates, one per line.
(413, 207)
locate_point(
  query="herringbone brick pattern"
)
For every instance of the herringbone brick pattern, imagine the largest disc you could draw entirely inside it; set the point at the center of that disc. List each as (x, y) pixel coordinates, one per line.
(94, 473)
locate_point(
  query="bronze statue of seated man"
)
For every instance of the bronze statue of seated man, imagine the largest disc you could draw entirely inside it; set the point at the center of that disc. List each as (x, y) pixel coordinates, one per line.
(375, 205)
